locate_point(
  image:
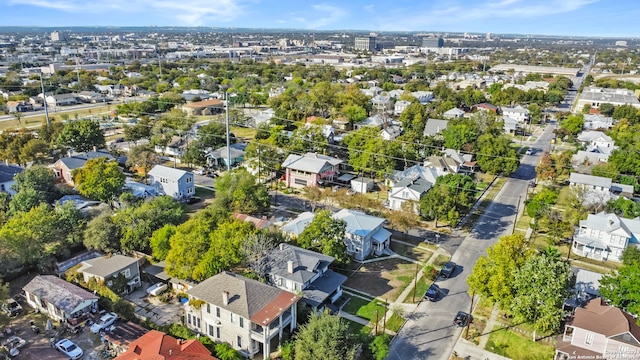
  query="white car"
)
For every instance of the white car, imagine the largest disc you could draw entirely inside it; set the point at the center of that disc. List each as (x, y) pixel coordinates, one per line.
(199, 172)
(105, 321)
(157, 289)
(529, 151)
(70, 349)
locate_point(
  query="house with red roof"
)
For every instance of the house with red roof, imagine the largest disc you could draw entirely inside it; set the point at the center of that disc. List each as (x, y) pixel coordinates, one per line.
(599, 331)
(156, 345)
(249, 315)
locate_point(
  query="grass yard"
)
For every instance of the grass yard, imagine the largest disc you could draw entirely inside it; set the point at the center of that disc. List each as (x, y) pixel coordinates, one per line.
(29, 121)
(412, 252)
(420, 290)
(356, 328)
(384, 279)
(243, 133)
(491, 194)
(395, 322)
(514, 346)
(365, 309)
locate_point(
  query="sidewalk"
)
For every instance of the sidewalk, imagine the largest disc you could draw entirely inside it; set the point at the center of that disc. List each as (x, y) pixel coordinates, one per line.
(467, 350)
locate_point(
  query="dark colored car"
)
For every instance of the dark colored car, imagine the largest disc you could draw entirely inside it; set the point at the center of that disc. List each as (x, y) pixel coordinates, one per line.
(193, 200)
(448, 269)
(11, 307)
(461, 319)
(432, 293)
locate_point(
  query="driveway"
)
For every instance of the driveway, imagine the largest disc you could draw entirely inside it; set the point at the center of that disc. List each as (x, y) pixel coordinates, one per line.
(150, 307)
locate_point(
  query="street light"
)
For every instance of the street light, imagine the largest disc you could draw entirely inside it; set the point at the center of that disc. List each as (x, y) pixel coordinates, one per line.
(228, 137)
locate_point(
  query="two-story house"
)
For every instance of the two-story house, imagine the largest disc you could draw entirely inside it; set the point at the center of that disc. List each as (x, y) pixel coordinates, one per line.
(408, 189)
(310, 169)
(599, 331)
(364, 233)
(249, 315)
(597, 121)
(598, 189)
(400, 106)
(60, 300)
(451, 161)
(298, 270)
(518, 113)
(604, 236)
(109, 269)
(172, 182)
(597, 141)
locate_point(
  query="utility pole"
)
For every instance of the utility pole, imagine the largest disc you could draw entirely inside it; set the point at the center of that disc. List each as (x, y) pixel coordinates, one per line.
(228, 136)
(44, 101)
(513, 230)
(473, 295)
(258, 162)
(415, 284)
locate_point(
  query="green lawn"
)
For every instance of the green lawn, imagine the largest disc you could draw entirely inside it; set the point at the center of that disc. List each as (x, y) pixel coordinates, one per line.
(365, 309)
(514, 346)
(395, 322)
(421, 289)
(356, 328)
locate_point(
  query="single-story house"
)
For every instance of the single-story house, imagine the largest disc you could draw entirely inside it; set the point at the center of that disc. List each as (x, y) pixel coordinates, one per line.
(434, 127)
(64, 167)
(218, 157)
(454, 113)
(204, 107)
(156, 345)
(7, 173)
(295, 227)
(60, 300)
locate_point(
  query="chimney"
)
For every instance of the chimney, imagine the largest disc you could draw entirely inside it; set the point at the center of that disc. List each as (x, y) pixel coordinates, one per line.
(225, 298)
(290, 267)
(69, 153)
(6, 162)
(281, 244)
(171, 351)
(95, 149)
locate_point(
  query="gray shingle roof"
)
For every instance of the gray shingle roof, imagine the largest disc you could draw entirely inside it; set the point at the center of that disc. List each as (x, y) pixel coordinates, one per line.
(247, 298)
(435, 126)
(105, 266)
(297, 225)
(167, 172)
(419, 185)
(583, 179)
(78, 160)
(358, 223)
(305, 262)
(323, 287)
(61, 294)
(310, 162)
(7, 172)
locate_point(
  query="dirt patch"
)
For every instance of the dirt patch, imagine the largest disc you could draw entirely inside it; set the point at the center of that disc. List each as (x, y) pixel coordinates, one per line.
(384, 279)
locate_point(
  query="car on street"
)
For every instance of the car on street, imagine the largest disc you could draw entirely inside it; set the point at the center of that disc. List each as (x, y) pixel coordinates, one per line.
(448, 269)
(70, 349)
(199, 172)
(461, 319)
(11, 307)
(105, 321)
(529, 151)
(432, 293)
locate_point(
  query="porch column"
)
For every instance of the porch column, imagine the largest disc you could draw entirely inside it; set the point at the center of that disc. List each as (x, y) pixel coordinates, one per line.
(294, 317)
(266, 343)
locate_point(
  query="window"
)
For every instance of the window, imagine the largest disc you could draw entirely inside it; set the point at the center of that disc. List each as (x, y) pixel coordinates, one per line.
(241, 322)
(302, 182)
(210, 330)
(164, 181)
(217, 333)
(588, 339)
(232, 317)
(198, 319)
(189, 318)
(189, 179)
(208, 308)
(217, 311)
(126, 273)
(190, 190)
(239, 341)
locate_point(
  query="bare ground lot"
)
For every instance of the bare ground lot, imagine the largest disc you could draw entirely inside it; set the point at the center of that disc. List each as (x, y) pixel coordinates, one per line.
(385, 279)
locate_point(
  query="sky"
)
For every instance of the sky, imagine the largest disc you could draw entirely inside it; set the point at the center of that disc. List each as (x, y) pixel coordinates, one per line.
(606, 18)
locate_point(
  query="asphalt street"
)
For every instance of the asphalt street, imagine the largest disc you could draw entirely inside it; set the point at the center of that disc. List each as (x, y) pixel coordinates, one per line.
(429, 331)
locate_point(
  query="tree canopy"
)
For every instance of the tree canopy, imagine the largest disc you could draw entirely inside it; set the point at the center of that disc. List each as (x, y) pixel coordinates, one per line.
(325, 337)
(325, 235)
(99, 179)
(82, 135)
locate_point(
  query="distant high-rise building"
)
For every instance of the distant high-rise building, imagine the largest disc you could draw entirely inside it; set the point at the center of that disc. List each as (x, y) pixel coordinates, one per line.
(432, 42)
(365, 43)
(488, 37)
(58, 36)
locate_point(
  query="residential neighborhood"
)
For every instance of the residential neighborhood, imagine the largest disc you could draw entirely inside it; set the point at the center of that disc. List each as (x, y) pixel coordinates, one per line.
(209, 194)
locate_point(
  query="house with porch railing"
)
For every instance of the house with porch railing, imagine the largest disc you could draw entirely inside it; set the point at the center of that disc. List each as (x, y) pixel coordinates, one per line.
(604, 236)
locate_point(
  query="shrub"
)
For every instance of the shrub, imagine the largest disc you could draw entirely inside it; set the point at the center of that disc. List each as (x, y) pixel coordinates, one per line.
(380, 346)
(430, 272)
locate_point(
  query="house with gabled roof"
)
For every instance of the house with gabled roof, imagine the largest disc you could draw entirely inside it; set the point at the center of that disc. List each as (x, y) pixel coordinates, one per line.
(408, 189)
(60, 300)
(249, 315)
(517, 113)
(295, 227)
(364, 233)
(63, 168)
(598, 189)
(109, 268)
(434, 127)
(172, 182)
(597, 121)
(7, 173)
(310, 169)
(204, 107)
(604, 236)
(597, 141)
(400, 106)
(119, 338)
(451, 161)
(453, 113)
(303, 271)
(599, 331)
(156, 345)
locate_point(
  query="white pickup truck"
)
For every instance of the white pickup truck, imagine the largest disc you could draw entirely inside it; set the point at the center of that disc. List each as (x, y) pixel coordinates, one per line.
(157, 289)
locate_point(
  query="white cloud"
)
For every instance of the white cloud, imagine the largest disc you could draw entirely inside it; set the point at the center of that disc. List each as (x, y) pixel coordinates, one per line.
(325, 14)
(457, 12)
(369, 8)
(189, 12)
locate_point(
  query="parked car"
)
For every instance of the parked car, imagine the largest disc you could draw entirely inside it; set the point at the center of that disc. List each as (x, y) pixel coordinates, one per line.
(432, 293)
(13, 345)
(11, 307)
(105, 321)
(192, 200)
(461, 319)
(529, 151)
(70, 349)
(157, 289)
(448, 269)
(199, 172)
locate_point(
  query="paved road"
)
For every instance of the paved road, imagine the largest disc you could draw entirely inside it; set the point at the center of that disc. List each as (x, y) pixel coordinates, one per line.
(429, 332)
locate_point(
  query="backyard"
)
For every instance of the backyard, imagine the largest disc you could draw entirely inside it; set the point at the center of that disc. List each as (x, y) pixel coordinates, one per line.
(507, 343)
(385, 279)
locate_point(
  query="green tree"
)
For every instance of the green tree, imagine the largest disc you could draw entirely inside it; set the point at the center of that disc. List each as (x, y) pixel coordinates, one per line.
(573, 123)
(99, 179)
(456, 136)
(40, 179)
(541, 285)
(102, 234)
(622, 287)
(238, 191)
(224, 351)
(160, 241)
(493, 276)
(630, 255)
(144, 157)
(496, 156)
(326, 235)
(325, 337)
(82, 135)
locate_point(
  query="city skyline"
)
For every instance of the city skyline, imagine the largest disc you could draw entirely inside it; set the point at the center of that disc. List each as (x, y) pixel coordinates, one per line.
(595, 18)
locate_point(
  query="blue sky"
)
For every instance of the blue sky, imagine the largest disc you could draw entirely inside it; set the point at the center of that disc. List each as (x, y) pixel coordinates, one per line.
(561, 17)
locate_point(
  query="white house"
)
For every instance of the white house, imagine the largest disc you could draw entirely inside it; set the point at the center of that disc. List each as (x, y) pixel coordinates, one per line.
(598, 190)
(391, 132)
(595, 97)
(172, 182)
(400, 106)
(595, 121)
(296, 226)
(249, 315)
(408, 190)
(597, 141)
(454, 113)
(423, 96)
(364, 233)
(518, 113)
(604, 236)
